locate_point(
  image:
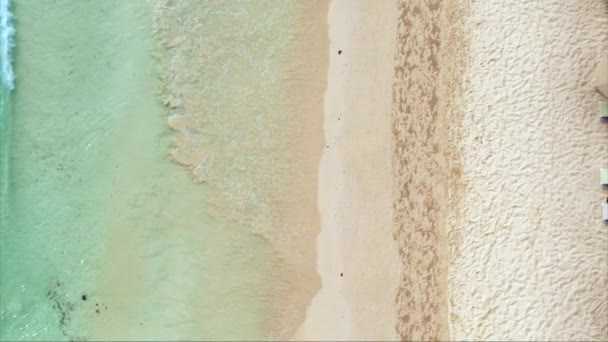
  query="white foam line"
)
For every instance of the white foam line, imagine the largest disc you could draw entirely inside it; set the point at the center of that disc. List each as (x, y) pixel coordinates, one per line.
(7, 31)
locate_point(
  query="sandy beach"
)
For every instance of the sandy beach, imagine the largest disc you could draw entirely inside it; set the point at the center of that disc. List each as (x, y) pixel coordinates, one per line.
(528, 250)
(454, 133)
(302, 170)
(381, 251)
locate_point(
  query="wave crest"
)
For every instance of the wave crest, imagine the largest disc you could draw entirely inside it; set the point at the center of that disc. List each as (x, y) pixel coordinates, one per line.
(7, 31)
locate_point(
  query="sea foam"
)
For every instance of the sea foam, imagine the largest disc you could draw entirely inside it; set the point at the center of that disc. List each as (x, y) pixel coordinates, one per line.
(7, 32)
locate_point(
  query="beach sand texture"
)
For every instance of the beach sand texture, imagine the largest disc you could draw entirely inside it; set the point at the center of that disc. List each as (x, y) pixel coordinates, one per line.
(384, 176)
(357, 258)
(495, 152)
(428, 68)
(528, 251)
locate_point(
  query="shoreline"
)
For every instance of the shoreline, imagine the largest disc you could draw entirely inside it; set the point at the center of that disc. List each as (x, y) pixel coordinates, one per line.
(358, 268)
(313, 170)
(250, 129)
(304, 90)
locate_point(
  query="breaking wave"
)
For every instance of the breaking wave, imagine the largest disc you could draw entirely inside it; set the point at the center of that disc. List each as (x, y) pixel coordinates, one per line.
(7, 31)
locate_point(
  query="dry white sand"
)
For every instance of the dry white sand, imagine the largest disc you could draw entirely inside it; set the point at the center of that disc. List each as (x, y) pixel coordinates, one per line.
(600, 76)
(357, 257)
(529, 254)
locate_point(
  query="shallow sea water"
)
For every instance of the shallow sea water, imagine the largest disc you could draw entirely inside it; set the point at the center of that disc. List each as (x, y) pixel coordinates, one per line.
(94, 204)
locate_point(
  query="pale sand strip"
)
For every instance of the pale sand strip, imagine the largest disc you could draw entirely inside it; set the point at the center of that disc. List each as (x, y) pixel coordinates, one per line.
(355, 199)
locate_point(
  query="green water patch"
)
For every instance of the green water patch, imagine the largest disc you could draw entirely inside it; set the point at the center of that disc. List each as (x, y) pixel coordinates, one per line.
(105, 237)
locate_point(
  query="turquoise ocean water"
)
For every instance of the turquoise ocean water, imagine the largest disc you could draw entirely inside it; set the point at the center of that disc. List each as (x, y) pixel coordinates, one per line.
(102, 234)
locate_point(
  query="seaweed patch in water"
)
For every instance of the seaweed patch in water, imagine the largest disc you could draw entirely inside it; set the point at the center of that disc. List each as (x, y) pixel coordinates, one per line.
(64, 308)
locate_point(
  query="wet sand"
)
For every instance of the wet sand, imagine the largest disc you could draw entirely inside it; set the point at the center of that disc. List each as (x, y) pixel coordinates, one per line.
(248, 127)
